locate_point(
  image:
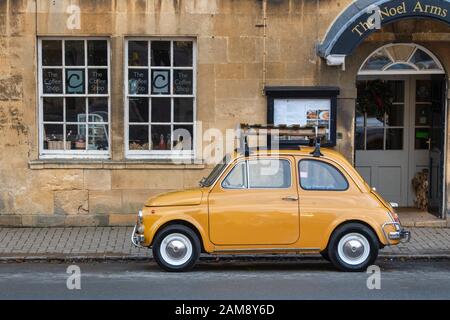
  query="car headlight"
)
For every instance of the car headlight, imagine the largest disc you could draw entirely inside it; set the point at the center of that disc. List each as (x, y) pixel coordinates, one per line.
(140, 218)
(140, 223)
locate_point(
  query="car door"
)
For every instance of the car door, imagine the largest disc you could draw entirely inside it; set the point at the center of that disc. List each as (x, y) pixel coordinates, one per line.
(255, 202)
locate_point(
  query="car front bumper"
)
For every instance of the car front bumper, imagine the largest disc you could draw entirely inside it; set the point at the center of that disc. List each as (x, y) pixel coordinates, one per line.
(137, 236)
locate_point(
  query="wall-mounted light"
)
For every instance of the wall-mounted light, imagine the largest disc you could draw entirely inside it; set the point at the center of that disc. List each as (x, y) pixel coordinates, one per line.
(336, 60)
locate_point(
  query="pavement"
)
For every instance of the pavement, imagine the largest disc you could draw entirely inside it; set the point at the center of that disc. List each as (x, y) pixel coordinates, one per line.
(287, 279)
(412, 217)
(113, 243)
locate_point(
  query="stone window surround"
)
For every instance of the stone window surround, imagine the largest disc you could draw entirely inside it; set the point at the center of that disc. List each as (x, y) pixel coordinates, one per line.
(113, 161)
(89, 154)
(156, 164)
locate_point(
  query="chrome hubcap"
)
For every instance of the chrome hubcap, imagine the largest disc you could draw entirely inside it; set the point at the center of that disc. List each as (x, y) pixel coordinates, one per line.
(354, 248)
(176, 249)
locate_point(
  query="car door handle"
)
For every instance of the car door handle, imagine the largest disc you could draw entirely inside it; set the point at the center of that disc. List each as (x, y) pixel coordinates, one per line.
(290, 198)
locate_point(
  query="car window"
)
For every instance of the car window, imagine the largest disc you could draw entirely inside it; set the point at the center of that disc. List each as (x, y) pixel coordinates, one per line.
(237, 178)
(269, 173)
(319, 175)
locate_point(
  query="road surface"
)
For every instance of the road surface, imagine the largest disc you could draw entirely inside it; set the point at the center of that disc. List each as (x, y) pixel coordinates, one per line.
(292, 279)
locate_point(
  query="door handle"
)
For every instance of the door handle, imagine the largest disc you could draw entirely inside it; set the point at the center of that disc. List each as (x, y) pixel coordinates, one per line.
(429, 143)
(290, 198)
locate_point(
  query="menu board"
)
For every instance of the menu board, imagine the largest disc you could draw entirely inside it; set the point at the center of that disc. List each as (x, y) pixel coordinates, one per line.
(303, 112)
(52, 79)
(138, 81)
(98, 81)
(306, 107)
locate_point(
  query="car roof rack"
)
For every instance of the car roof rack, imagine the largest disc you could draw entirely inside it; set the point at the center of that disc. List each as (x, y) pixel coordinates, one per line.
(313, 134)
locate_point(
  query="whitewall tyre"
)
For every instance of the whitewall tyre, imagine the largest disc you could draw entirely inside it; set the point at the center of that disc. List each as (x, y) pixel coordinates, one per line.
(176, 248)
(353, 247)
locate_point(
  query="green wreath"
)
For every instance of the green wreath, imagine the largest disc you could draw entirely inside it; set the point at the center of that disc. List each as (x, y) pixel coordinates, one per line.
(375, 98)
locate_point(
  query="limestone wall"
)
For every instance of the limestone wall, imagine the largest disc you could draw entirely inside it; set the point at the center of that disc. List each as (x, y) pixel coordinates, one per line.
(229, 36)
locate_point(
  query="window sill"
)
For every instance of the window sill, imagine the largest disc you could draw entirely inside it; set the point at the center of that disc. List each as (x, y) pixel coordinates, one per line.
(113, 165)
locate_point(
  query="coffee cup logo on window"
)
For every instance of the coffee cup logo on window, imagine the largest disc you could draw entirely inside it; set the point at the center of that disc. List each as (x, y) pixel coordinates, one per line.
(160, 81)
(75, 81)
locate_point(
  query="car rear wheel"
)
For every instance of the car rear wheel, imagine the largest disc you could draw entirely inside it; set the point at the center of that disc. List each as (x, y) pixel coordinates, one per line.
(353, 247)
(176, 248)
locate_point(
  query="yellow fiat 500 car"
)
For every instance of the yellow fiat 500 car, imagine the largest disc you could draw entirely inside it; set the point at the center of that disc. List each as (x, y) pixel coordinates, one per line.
(291, 201)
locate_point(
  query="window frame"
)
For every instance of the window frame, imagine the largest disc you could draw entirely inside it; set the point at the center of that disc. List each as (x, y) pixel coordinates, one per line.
(248, 175)
(158, 154)
(385, 126)
(414, 71)
(234, 166)
(72, 154)
(322, 190)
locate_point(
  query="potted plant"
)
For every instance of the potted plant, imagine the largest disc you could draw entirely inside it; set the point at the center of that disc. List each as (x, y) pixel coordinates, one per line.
(80, 142)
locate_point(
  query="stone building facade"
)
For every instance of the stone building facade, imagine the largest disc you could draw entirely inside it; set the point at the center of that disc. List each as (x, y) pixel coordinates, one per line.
(220, 56)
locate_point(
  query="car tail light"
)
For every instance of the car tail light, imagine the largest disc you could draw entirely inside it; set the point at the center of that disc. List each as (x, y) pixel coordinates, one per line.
(395, 217)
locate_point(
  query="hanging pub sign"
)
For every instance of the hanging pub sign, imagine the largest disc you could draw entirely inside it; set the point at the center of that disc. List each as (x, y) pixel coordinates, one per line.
(305, 107)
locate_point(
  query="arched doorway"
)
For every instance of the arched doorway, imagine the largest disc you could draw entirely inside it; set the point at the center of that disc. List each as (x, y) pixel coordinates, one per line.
(400, 123)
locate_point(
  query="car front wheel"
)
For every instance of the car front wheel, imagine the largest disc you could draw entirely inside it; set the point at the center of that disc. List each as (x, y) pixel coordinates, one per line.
(324, 255)
(176, 248)
(353, 247)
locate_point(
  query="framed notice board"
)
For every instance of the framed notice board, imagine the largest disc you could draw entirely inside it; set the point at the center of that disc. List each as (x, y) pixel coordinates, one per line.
(303, 106)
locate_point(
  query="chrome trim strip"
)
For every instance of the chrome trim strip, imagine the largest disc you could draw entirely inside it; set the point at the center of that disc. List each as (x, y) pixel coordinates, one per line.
(267, 249)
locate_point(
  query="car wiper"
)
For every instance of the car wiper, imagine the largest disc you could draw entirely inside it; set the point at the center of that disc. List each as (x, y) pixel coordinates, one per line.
(202, 182)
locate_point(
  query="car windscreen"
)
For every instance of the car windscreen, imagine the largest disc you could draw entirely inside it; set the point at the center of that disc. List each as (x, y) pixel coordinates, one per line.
(215, 173)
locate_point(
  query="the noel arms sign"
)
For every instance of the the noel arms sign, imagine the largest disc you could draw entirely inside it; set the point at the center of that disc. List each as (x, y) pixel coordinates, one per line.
(364, 17)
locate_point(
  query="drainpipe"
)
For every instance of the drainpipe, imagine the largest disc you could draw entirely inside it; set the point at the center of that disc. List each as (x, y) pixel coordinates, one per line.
(264, 72)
